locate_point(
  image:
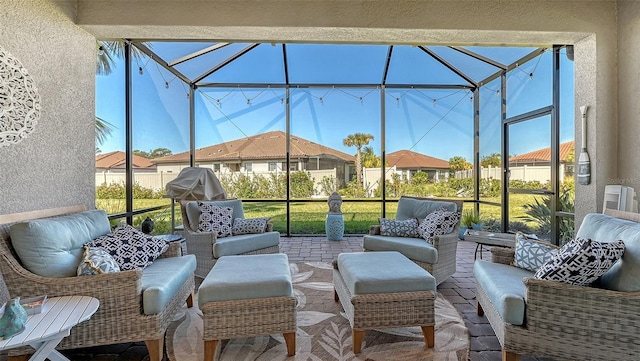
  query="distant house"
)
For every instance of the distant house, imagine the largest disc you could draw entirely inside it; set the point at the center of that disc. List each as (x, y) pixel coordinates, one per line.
(114, 162)
(263, 153)
(408, 163)
(543, 156)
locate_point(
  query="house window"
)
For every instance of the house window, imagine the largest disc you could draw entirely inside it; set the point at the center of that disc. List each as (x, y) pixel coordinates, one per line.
(293, 166)
(273, 166)
(216, 167)
(248, 167)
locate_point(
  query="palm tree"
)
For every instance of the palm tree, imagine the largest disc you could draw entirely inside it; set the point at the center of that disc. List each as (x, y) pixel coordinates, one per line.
(369, 158)
(358, 140)
(107, 52)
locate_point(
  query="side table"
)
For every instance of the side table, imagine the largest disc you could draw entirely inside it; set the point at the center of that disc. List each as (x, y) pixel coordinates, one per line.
(483, 238)
(174, 238)
(44, 331)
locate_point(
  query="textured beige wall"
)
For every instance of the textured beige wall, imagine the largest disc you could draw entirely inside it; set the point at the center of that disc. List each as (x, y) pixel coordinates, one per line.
(591, 25)
(628, 95)
(54, 165)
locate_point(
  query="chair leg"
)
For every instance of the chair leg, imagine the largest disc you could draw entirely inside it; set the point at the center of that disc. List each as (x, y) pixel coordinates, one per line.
(429, 335)
(357, 337)
(479, 307)
(155, 348)
(190, 300)
(210, 349)
(290, 340)
(509, 356)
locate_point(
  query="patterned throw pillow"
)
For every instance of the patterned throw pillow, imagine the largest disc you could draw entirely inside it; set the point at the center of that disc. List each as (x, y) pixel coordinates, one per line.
(531, 253)
(130, 248)
(96, 261)
(249, 225)
(581, 261)
(437, 223)
(215, 219)
(396, 228)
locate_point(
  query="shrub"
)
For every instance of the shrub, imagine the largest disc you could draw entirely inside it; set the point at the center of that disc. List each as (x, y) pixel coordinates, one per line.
(301, 184)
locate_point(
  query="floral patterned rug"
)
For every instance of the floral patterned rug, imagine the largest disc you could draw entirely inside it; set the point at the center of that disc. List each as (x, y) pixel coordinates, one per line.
(323, 332)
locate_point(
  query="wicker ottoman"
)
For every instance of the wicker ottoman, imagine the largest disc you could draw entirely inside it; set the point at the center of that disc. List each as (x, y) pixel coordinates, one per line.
(383, 290)
(244, 296)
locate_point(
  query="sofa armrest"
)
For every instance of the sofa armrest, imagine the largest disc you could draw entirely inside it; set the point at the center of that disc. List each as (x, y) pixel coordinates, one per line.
(112, 289)
(200, 243)
(374, 229)
(174, 250)
(561, 309)
(502, 255)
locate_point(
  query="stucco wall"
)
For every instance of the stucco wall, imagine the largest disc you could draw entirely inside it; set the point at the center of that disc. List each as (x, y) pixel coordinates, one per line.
(628, 95)
(54, 165)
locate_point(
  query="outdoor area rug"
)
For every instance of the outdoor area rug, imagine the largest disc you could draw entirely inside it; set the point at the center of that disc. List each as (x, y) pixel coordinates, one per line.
(323, 332)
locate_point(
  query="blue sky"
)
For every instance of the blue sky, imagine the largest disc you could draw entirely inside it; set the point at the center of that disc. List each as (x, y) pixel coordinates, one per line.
(438, 123)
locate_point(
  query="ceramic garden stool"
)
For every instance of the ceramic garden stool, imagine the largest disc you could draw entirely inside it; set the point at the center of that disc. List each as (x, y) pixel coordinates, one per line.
(384, 290)
(245, 296)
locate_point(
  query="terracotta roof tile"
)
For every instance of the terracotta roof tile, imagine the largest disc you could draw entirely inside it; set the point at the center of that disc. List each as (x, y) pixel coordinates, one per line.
(270, 145)
(544, 155)
(117, 159)
(406, 159)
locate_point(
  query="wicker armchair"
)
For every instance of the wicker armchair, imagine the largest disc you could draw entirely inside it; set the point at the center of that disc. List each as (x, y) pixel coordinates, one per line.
(208, 248)
(564, 321)
(446, 245)
(120, 317)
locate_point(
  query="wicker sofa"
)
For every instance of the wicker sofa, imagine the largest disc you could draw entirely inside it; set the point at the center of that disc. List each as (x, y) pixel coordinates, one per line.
(438, 259)
(135, 305)
(552, 319)
(207, 247)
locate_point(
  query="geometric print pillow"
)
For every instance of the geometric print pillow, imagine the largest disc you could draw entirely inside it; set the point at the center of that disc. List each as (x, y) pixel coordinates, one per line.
(438, 223)
(215, 219)
(96, 261)
(396, 228)
(581, 261)
(249, 225)
(531, 254)
(130, 248)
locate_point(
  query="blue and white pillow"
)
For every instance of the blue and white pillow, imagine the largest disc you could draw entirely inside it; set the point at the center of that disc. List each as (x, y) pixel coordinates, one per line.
(531, 254)
(130, 248)
(249, 225)
(581, 261)
(396, 228)
(96, 261)
(438, 223)
(215, 219)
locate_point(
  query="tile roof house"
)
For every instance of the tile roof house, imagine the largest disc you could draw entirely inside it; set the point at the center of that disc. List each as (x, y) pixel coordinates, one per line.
(261, 153)
(115, 162)
(409, 163)
(543, 156)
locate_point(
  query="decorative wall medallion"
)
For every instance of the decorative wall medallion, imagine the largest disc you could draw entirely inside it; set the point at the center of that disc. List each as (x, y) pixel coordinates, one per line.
(19, 100)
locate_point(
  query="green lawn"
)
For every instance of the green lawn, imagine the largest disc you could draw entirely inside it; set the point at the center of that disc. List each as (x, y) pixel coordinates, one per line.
(306, 218)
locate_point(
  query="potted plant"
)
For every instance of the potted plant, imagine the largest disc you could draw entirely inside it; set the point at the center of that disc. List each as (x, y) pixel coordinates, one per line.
(470, 220)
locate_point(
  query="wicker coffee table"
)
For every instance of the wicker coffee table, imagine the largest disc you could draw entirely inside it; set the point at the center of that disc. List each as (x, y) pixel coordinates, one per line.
(384, 290)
